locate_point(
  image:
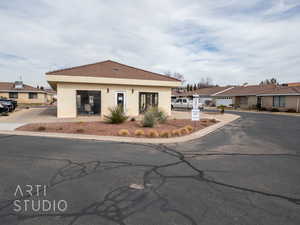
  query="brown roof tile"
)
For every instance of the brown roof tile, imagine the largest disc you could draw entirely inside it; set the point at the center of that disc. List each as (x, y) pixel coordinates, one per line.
(111, 69)
(282, 90)
(247, 90)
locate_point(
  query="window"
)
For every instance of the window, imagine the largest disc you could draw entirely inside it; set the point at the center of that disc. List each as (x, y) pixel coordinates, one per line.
(178, 100)
(13, 94)
(32, 95)
(243, 100)
(278, 101)
(184, 101)
(147, 100)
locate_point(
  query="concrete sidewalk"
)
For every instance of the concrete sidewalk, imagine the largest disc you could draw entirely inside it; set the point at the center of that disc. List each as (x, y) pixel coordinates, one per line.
(223, 120)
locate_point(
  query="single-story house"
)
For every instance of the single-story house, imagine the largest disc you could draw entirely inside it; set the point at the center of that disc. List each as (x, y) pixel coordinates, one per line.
(282, 98)
(22, 93)
(205, 94)
(94, 88)
(245, 97)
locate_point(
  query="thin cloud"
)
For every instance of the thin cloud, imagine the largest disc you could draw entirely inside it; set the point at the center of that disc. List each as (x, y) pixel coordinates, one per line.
(230, 41)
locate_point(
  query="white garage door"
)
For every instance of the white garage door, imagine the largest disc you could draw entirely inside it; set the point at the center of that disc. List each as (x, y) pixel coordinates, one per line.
(224, 101)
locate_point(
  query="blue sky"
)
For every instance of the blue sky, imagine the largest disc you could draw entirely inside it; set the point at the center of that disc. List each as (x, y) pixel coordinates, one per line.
(230, 41)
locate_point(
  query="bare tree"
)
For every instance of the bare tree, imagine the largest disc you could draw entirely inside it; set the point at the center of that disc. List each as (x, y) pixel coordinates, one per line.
(269, 81)
(176, 75)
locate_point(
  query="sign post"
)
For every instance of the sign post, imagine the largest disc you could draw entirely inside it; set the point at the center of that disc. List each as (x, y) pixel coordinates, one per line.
(195, 110)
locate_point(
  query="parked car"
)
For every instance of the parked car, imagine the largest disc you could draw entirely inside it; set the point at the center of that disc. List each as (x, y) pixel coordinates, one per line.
(8, 103)
(3, 108)
(184, 103)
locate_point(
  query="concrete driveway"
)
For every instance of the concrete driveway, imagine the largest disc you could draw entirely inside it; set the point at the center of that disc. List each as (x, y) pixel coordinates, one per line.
(245, 173)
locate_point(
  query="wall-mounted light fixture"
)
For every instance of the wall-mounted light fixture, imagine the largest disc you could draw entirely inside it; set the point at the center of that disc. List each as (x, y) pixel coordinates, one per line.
(107, 90)
(132, 90)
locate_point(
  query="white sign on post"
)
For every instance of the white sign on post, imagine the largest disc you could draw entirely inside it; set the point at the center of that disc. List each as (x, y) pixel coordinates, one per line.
(195, 110)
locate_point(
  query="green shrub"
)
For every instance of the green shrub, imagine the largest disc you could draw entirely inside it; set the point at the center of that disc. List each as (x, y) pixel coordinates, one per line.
(274, 110)
(291, 110)
(41, 128)
(149, 119)
(159, 114)
(116, 115)
(80, 131)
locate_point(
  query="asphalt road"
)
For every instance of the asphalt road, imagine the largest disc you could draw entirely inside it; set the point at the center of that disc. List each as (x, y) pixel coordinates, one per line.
(248, 172)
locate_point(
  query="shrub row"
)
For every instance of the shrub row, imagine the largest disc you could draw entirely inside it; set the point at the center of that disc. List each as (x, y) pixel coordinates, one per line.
(154, 133)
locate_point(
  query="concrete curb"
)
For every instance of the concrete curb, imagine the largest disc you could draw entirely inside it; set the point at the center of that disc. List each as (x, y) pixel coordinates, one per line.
(228, 118)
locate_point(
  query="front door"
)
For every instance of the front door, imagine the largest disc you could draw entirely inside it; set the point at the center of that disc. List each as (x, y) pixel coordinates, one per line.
(120, 100)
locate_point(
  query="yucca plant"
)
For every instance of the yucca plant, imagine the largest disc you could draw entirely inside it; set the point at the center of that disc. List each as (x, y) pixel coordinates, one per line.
(116, 115)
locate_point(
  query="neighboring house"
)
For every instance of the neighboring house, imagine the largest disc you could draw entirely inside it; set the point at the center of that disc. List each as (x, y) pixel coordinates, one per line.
(205, 94)
(51, 95)
(22, 93)
(245, 97)
(94, 88)
(281, 97)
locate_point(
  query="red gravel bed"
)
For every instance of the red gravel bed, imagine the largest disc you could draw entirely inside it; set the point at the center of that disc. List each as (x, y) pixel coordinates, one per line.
(105, 129)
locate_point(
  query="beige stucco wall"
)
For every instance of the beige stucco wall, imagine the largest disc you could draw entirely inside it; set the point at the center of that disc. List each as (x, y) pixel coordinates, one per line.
(66, 97)
(291, 102)
(23, 98)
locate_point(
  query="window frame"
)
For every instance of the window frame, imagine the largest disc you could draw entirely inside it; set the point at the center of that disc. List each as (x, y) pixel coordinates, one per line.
(14, 97)
(279, 101)
(31, 94)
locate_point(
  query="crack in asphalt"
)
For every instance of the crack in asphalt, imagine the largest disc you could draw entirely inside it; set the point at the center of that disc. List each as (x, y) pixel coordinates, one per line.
(124, 201)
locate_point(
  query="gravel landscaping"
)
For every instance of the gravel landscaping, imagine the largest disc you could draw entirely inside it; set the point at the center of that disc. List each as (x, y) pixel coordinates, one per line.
(173, 127)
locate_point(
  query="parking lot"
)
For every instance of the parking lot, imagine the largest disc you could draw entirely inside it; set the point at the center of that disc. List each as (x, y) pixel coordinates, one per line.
(245, 173)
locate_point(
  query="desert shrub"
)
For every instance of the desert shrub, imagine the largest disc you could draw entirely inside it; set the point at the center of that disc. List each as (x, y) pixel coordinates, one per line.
(189, 128)
(213, 120)
(132, 119)
(116, 115)
(152, 133)
(176, 132)
(274, 110)
(80, 131)
(291, 110)
(183, 131)
(149, 119)
(139, 133)
(41, 128)
(165, 134)
(123, 132)
(159, 114)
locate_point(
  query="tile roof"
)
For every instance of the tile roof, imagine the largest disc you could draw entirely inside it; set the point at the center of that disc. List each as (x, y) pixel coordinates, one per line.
(9, 86)
(282, 90)
(111, 69)
(203, 91)
(247, 90)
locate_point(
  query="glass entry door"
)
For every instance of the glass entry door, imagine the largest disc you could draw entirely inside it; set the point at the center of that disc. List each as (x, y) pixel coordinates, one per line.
(147, 100)
(88, 102)
(120, 100)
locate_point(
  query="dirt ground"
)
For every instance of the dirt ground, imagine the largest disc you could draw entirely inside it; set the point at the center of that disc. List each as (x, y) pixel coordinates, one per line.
(106, 129)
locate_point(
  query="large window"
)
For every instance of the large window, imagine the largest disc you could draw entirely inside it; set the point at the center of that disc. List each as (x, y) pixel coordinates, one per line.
(278, 101)
(88, 102)
(147, 100)
(32, 95)
(13, 95)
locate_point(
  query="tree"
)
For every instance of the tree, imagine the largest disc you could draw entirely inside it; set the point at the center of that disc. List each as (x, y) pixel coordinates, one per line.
(205, 83)
(269, 81)
(176, 75)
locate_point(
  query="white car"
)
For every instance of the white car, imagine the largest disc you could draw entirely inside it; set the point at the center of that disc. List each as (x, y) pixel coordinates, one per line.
(184, 103)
